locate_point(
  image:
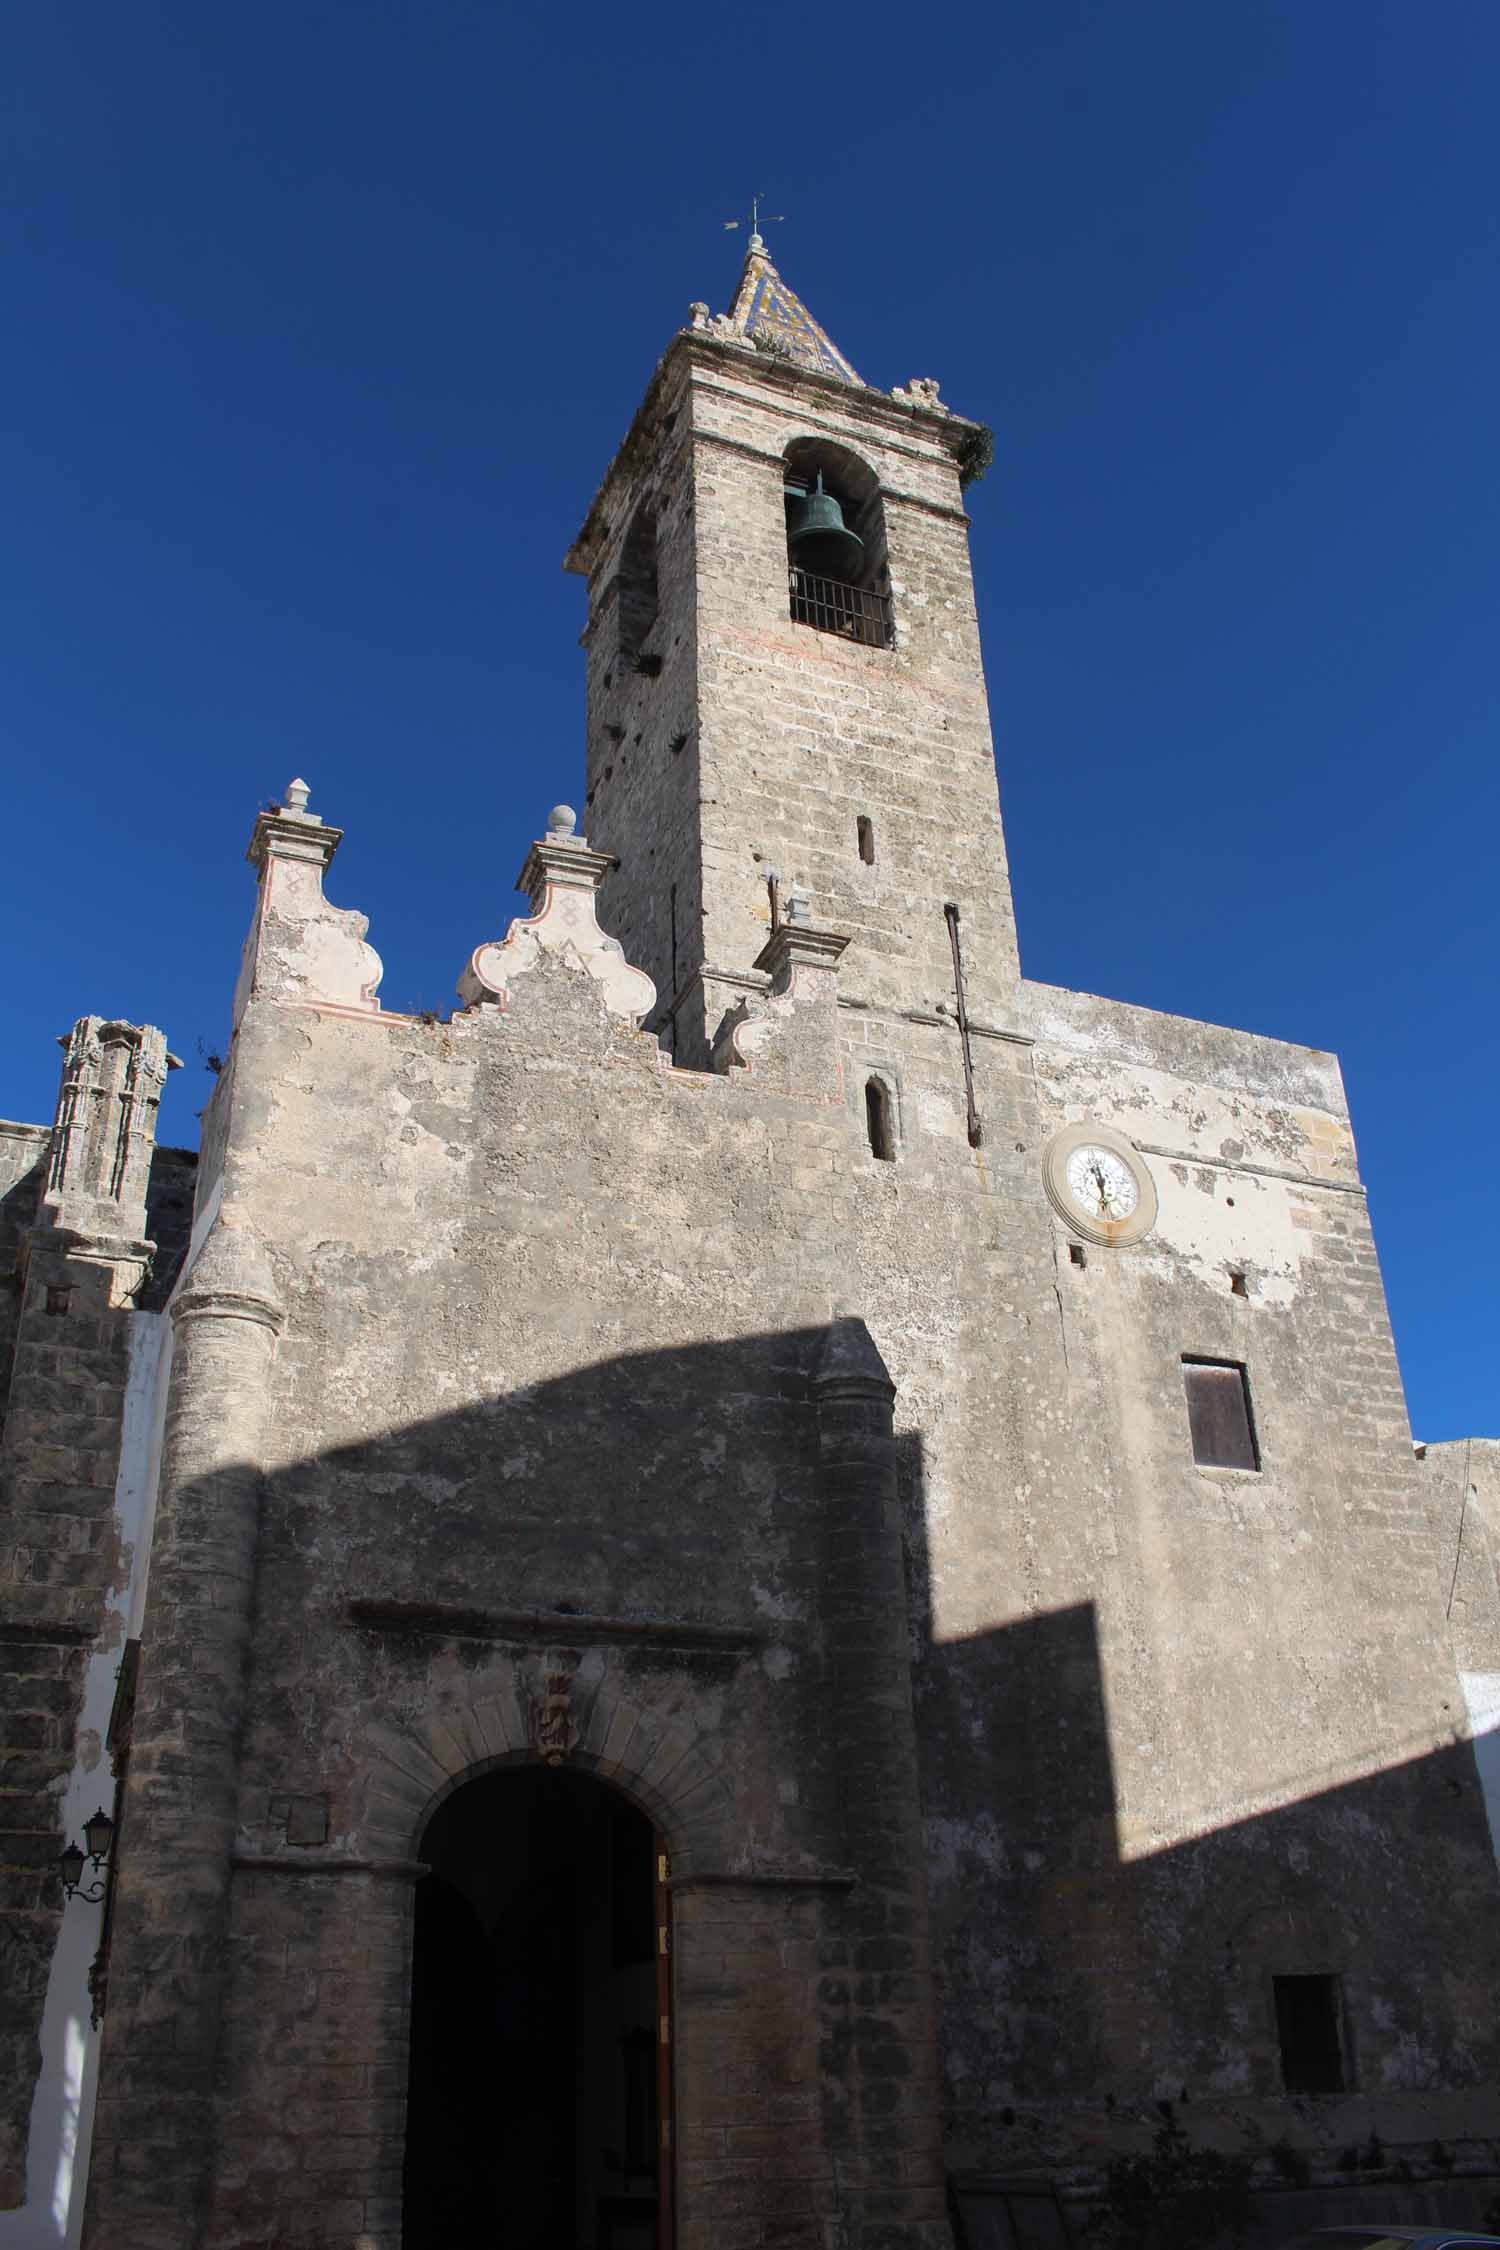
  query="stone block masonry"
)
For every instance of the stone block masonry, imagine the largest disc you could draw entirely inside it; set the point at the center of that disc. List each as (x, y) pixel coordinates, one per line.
(76, 1260)
(750, 743)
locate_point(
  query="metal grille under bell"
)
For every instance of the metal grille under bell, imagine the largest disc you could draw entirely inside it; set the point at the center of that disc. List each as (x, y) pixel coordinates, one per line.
(856, 613)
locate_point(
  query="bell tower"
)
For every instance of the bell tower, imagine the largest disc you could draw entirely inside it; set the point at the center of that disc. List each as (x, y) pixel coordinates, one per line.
(785, 688)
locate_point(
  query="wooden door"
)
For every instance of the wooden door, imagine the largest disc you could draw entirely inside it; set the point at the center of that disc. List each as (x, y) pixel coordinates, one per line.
(663, 1920)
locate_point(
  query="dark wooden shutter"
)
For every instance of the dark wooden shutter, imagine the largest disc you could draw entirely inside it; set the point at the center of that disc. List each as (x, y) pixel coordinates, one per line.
(1218, 1401)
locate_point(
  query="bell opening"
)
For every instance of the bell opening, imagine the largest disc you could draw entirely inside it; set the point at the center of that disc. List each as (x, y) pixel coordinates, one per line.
(818, 538)
(836, 543)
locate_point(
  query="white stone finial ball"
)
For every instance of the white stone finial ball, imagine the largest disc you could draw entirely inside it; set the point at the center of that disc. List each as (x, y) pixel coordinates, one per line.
(561, 821)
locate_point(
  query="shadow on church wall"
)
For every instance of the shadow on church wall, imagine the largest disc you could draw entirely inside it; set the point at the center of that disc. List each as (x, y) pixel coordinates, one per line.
(1086, 1995)
(659, 1550)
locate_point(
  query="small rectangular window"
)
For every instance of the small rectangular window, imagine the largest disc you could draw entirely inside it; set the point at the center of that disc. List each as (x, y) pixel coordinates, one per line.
(865, 829)
(1310, 2028)
(1218, 1403)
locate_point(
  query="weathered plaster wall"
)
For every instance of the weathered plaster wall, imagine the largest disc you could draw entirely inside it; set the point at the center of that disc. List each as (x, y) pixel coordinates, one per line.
(552, 1314)
(1460, 1485)
(80, 1264)
(1175, 1721)
(23, 1164)
(1229, 1703)
(521, 1375)
(62, 2103)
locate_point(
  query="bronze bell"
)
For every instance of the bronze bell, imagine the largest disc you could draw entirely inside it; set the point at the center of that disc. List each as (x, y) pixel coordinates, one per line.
(819, 540)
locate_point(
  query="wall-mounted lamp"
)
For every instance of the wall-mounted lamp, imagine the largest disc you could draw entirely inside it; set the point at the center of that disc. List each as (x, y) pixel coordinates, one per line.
(98, 1835)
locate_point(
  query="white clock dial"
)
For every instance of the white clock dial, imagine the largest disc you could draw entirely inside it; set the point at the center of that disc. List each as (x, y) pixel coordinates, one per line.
(1100, 1183)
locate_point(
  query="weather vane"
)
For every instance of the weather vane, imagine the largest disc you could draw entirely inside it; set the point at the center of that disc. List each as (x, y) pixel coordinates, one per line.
(773, 218)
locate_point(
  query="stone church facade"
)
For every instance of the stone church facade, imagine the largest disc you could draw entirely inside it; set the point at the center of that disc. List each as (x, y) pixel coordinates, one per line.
(771, 1589)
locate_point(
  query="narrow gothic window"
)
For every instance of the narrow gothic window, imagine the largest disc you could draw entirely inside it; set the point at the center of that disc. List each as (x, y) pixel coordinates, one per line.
(1219, 1420)
(878, 1121)
(1309, 2027)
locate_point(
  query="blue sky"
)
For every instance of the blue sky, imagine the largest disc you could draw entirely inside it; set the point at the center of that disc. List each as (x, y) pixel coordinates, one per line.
(324, 320)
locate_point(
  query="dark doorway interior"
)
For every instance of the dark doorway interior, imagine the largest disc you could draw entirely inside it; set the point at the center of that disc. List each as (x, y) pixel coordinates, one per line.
(1308, 2019)
(532, 2111)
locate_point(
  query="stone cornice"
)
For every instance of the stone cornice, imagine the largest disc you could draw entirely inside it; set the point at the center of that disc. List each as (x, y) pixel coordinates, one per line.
(797, 945)
(227, 1304)
(553, 1628)
(1196, 1158)
(563, 859)
(328, 1863)
(291, 835)
(862, 401)
(766, 1879)
(888, 492)
(68, 1240)
(692, 351)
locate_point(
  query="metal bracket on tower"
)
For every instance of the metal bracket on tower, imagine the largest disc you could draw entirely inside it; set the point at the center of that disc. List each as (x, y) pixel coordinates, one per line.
(976, 1130)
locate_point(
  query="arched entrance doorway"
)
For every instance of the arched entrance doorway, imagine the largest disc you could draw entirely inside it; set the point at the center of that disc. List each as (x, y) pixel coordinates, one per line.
(538, 2051)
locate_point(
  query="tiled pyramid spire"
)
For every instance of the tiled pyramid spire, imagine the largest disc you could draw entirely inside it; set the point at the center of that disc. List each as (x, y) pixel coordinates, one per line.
(764, 307)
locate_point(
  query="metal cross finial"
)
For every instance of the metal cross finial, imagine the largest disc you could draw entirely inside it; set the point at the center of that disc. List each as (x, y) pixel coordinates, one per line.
(773, 218)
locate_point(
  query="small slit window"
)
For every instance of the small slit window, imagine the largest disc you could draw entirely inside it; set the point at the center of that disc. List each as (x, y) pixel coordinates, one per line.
(1310, 2030)
(1219, 1418)
(865, 829)
(879, 1121)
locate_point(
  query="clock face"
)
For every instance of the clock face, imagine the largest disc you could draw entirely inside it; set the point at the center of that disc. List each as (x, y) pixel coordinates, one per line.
(1099, 1183)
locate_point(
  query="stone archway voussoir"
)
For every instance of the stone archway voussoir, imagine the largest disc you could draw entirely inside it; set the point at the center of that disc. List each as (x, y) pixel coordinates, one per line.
(461, 1721)
(440, 1736)
(502, 1728)
(664, 1765)
(614, 1755)
(673, 1747)
(408, 1757)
